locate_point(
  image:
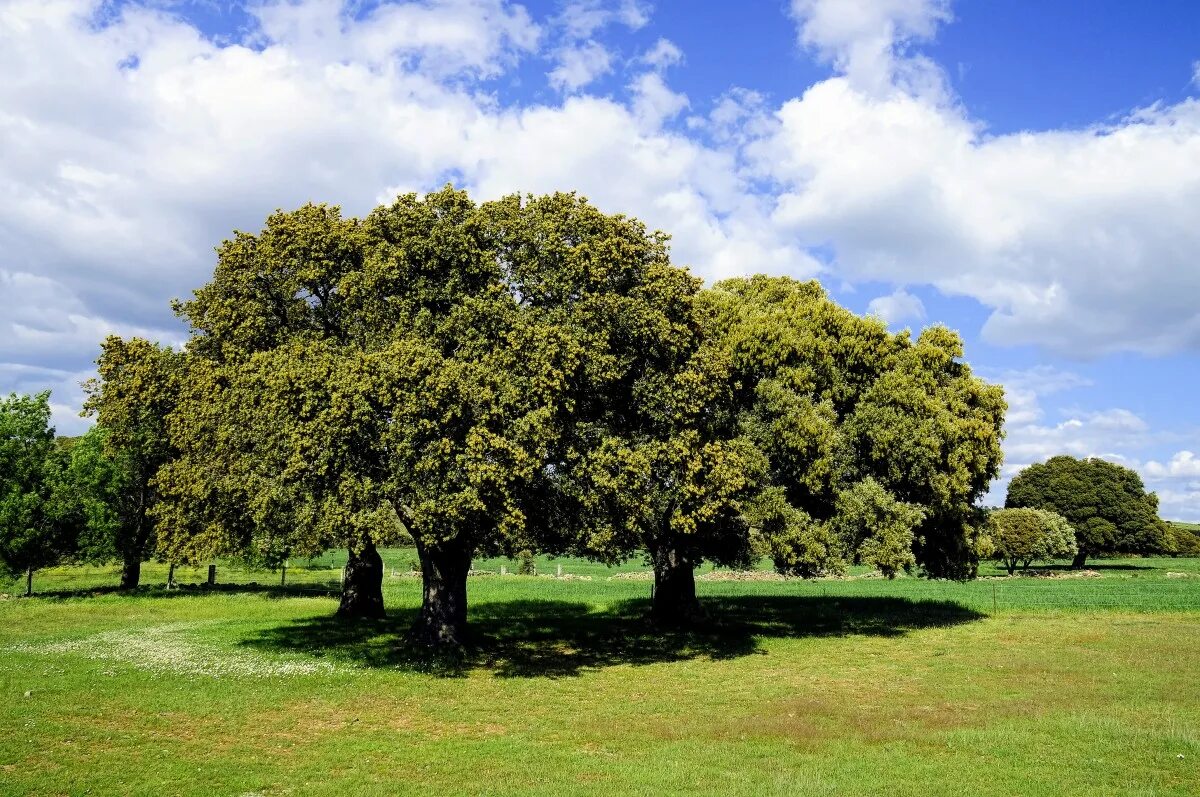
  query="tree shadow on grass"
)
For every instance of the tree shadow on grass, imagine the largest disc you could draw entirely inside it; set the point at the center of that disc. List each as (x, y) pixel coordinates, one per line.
(331, 589)
(531, 638)
(1088, 566)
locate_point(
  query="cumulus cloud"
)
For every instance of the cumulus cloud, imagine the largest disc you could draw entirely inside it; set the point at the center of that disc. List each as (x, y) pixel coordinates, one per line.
(897, 307)
(131, 144)
(866, 39)
(1078, 240)
(1184, 464)
(580, 59)
(579, 65)
(663, 54)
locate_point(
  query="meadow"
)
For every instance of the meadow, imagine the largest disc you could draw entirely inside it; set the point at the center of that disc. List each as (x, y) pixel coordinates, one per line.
(1055, 683)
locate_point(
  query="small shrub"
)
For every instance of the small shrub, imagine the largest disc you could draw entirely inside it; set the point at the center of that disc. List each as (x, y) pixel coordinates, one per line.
(526, 566)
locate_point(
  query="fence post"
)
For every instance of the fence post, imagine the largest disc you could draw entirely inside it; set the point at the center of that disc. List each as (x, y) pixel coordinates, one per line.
(29, 582)
(212, 575)
(560, 571)
(993, 596)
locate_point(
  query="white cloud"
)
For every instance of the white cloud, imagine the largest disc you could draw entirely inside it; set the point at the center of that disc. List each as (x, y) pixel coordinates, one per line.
(1184, 464)
(897, 307)
(579, 65)
(663, 54)
(129, 149)
(1081, 241)
(864, 38)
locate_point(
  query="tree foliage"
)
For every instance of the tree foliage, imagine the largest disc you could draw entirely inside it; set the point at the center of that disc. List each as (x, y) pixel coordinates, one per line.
(1024, 536)
(1105, 503)
(34, 532)
(114, 468)
(422, 365)
(852, 421)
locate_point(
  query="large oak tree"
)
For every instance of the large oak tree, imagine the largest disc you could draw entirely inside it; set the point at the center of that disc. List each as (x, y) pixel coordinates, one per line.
(425, 365)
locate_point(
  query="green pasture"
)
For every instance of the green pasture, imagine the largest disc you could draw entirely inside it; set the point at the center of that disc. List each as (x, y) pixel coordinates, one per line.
(1036, 685)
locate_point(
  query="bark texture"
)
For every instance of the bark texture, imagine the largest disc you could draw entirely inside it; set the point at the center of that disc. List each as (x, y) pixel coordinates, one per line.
(442, 622)
(674, 602)
(131, 571)
(362, 589)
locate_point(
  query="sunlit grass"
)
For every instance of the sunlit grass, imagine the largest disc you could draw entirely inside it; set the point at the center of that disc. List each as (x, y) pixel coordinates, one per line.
(831, 687)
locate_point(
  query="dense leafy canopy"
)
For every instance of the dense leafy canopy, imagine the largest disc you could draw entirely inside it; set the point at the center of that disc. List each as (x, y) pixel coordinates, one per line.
(878, 447)
(1024, 536)
(424, 364)
(33, 530)
(1105, 503)
(113, 468)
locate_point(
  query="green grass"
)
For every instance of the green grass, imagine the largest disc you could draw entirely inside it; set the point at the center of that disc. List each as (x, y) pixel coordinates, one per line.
(1032, 685)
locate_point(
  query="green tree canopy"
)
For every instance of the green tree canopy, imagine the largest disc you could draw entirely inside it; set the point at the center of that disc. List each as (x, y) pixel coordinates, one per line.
(851, 417)
(1105, 503)
(424, 364)
(1023, 536)
(33, 530)
(113, 470)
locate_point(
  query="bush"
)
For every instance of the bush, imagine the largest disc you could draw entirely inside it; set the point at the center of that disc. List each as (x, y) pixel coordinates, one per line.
(1023, 536)
(526, 566)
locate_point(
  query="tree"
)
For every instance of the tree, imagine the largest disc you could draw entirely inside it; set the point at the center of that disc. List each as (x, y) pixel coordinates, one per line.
(668, 471)
(33, 533)
(1182, 539)
(1023, 536)
(1105, 503)
(765, 425)
(857, 423)
(422, 366)
(115, 468)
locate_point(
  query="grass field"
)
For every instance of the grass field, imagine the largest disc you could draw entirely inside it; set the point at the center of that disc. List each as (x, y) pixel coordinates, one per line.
(1032, 685)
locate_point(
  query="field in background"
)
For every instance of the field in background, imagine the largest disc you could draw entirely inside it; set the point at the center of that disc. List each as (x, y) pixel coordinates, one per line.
(1032, 686)
(1147, 584)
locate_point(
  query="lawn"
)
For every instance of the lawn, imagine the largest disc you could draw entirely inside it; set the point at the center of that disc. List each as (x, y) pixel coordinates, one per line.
(1032, 685)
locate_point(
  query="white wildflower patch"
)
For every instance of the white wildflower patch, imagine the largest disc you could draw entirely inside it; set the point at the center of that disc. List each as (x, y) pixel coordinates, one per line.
(172, 649)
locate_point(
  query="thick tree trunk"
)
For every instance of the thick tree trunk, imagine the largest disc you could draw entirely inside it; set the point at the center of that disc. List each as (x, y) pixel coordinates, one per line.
(674, 602)
(171, 575)
(442, 622)
(1011, 565)
(29, 583)
(362, 589)
(131, 570)
(1080, 558)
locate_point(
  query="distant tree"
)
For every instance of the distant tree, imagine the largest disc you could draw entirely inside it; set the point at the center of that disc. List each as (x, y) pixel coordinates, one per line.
(115, 468)
(1023, 536)
(1105, 503)
(1183, 539)
(33, 530)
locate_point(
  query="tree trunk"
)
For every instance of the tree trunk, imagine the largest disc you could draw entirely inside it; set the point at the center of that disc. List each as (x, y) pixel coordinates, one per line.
(362, 589)
(1080, 558)
(131, 570)
(1011, 565)
(674, 601)
(29, 583)
(171, 575)
(443, 619)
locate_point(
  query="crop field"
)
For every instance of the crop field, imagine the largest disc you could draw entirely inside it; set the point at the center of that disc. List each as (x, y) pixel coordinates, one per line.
(1055, 683)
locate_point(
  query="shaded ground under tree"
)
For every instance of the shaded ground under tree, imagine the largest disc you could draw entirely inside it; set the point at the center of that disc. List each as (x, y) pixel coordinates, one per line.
(530, 638)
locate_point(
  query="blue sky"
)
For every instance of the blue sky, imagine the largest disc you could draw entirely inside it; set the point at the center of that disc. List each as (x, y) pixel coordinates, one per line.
(1026, 173)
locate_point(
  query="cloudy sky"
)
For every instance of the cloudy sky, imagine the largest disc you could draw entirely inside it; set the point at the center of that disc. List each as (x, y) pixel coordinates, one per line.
(1028, 173)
